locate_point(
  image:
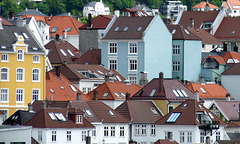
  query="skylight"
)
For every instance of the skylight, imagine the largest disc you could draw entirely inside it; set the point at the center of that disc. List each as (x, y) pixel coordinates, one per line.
(153, 92)
(184, 93)
(139, 28)
(236, 60)
(62, 87)
(173, 117)
(73, 88)
(230, 61)
(25, 36)
(34, 48)
(179, 92)
(185, 105)
(70, 52)
(125, 29)
(52, 116)
(186, 31)
(54, 29)
(123, 94)
(63, 52)
(88, 112)
(234, 32)
(69, 29)
(105, 95)
(203, 90)
(118, 78)
(52, 90)
(100, 72)
(117, 95)
(3, 47)
(111, 113)
(175, 92)
(117, 28)
(60, 116)
(154, 110)
(174, 31)
(16, 35)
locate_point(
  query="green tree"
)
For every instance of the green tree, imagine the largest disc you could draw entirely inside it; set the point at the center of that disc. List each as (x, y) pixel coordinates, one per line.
(9, 6)
(26, 4)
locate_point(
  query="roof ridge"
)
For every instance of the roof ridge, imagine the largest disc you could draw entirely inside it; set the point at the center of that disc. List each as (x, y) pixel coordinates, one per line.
(74, 23)
(109, 90)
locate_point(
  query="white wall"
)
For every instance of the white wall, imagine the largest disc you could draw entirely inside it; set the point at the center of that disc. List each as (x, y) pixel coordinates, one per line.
(87, 83)
(231, 84)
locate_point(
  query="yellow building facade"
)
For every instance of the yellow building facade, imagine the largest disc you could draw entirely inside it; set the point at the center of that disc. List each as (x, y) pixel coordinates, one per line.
(22, 67)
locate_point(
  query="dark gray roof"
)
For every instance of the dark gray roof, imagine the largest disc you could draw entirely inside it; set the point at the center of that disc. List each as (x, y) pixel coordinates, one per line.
(133, 24)
(14, 21)
(30, 12)
(93, 3)
(234, 136)
(7, 38)
(20, 117)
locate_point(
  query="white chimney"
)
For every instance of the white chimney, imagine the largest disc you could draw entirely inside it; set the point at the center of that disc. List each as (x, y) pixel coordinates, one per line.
(117, 13)
(1, 25)
(196, 95)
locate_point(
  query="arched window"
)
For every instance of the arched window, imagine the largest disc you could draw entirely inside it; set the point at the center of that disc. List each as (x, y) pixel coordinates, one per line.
(4, 74)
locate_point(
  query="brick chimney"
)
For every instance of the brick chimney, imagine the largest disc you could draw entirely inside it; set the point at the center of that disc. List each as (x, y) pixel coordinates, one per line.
(79, 96)
(127, 96)
(57, 71)
(95, 95)
(160, 82)
(228, 97)
(143, 80)
(191, 23)
(196, 95)
(89, 21)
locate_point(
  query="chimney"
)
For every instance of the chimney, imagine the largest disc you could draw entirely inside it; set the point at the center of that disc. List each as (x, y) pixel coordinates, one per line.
(201, 79)
(44, 105)
(228, 97)
(169, 134)
(206, 7)
(21, 22)
(117, 13)
(11, 15)
(89, 21)
(65, 34)
(79, 96)
(1, 25)
(239, 111)
(127, 96)
(196, 95)
(224, 46)
(235, 48)
(160, 82)
(30, 107)
(95, 95)
(106, 78)
(191, 23)
(36, 9)
(143, 80)
(69, 14)
(57, 38)
(57, 71)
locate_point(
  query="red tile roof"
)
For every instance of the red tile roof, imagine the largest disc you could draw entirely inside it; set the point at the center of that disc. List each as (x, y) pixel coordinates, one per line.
(188, 114)
(99, 22)
(203, 4)
(133, 110)
(233, 124)
(233, 70)
(210, 91)
(61, 22)
(92, 56)
(229, 108)
(198, 16)
(205, 36)
(228, 29)
(165, 141)
(219, 59)
(57, 57)
(37, 105)
(6, 22)
(234, 3)
(168, 86)
(43, 120)
(114, 90)
(61, 87)
(225, 3)
(231, 55)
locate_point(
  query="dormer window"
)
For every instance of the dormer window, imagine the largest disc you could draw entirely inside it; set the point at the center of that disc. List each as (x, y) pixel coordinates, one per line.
(125, 29)
(79, 119)
(173, 117)
(54, 29)
(117, 28)
(69, 29)
(111, 113)
(139, 28)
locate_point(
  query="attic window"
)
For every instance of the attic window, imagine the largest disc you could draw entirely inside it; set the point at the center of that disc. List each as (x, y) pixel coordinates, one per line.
(118, 78)
(3, 47)
(54, 29)
(88, 112)
(52, 116)
(179, 93)
(236, 60)
(25, 36)
(69, 29)
(79, 119)
(123, 94)
(125, 29)
(62, 87)
(52, 90)
(153, 92)
(60, 116)
(203, 90)
(100, 72)
(174, 31)
(230, 61)
(175, 92)
(63, 52)
(105, 95)
(34, 48)
(70, 52)
(186, 31)
(200, 106)
(117, 28)
(111, 113)
(117, 95)
(154, 110)
(16, 35)
(173, 117)
(139, 28)
(233, 33)
(185, 105)
(73, 88)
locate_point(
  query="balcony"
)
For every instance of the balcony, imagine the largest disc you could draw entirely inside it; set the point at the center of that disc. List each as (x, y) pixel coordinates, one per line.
(209, 126)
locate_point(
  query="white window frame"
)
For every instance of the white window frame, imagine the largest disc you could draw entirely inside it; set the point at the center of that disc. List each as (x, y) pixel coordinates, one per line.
(132, 64)
(18, 74)
(34, 94)
(112, 131)
(40, 136)
(144, 129)
(7, 74)
(36, 59)
(189, 137)
(132, 48)
(84, 135)
(153, 130)
(176, 49)
(69, 136)
(4, 58)
(176, 66)
(6, 113)
(21, 98)
(20, 56)
(79, 119)
(54, 136)
(4, 96)
(182, 137)
(113, 65)
(36, 75)
(112, 48)
(218, 135)
(105, 131)
(94, 132)
(122, 134)
(133, 78)
(136, 129)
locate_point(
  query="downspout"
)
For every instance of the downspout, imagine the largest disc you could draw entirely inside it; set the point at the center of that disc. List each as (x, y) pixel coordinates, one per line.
(183, 61)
